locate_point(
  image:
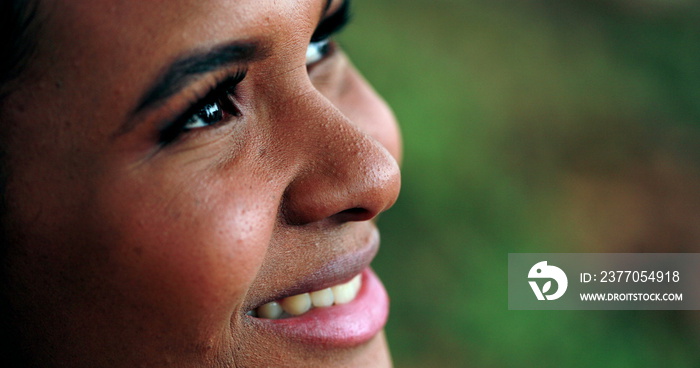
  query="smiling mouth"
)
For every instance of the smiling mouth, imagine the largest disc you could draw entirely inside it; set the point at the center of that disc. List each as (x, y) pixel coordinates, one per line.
(299, 304)
(345, 323)
(339, 304)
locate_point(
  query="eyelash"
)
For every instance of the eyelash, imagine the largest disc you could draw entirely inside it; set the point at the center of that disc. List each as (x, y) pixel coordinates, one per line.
(219, 101)
(320, 45)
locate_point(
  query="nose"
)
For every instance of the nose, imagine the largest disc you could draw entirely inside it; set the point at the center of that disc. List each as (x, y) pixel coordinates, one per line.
(347, 174)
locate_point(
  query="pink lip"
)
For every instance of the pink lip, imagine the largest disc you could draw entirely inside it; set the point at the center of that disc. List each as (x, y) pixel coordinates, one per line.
(341, 325)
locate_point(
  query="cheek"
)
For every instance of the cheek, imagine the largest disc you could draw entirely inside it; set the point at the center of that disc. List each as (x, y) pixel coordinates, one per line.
(192, 247)
(366, 109)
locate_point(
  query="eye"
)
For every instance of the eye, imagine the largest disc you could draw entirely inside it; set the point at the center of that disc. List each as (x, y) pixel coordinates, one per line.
(217, 106)
(211, 113)
(316, 51)
(321, 45)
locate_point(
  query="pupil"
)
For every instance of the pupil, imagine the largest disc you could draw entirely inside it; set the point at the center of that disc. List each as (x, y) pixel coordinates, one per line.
(323, 48)
(211, 114)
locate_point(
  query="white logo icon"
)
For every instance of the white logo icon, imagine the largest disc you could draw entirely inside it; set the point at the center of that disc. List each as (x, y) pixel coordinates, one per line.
(542, 271)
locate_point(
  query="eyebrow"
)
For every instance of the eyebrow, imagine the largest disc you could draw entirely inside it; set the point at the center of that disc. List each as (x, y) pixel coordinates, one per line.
(187, 68)
(181, 72)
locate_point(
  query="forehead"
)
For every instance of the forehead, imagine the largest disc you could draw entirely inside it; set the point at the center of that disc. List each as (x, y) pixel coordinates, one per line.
(154, 18)
(90, 49)
(147, 27)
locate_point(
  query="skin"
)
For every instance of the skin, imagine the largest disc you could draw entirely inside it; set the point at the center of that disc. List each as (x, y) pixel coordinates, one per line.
(127, 254)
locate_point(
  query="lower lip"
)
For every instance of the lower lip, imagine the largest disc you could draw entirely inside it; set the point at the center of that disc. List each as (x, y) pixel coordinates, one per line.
(341, 325)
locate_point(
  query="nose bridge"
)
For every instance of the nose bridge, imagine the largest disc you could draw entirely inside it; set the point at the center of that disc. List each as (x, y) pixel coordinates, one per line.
(346, 175)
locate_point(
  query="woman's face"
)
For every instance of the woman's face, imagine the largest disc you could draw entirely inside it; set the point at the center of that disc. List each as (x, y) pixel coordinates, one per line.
(175, 166)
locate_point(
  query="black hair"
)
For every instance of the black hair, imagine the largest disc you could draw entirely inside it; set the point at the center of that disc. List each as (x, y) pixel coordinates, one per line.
(16, 44)
(17, 19)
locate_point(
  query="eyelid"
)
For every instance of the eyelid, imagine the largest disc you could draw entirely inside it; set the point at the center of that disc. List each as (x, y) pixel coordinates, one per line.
(172, 128)
(333, 23)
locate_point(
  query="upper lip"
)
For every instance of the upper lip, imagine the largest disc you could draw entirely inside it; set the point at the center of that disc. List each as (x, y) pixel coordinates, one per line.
(333, 272)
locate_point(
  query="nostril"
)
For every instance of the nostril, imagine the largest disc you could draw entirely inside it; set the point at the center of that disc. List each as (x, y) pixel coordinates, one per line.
(353, 214)
(356, 210)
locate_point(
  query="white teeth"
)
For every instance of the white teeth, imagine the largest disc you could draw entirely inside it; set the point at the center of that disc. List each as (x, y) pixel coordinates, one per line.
(302, 303)
(297, 304)
(345, 293)
(271, 310)
(322, 298)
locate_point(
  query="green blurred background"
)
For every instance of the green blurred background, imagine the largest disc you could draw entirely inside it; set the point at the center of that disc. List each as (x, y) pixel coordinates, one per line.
(533, 126)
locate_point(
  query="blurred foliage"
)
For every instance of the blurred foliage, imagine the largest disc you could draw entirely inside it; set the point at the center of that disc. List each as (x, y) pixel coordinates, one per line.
(533, 126)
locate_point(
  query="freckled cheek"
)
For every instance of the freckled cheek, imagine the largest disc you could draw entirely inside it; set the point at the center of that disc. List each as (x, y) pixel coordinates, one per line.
(387, 130)
(194, 259)
(365, 108)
